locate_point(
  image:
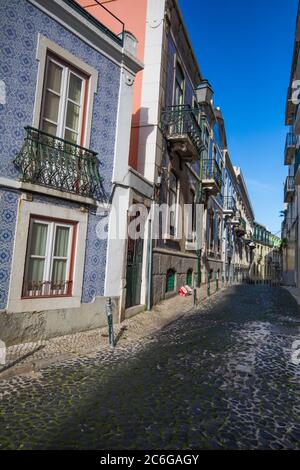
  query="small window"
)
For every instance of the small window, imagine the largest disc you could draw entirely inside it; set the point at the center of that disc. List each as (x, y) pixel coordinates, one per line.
(63, 101)
(49, 262)
(170, 285)
(189, 278)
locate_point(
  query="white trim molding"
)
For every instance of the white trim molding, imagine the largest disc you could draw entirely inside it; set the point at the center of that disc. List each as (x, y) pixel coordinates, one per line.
(25, 210)
(36, 188)
(45, 45)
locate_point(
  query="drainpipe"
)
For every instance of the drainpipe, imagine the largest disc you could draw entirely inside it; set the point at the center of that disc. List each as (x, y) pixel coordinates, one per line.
(199, 250)
(150, 246)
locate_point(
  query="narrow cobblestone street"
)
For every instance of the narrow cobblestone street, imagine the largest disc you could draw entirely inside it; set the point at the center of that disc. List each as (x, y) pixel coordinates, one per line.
(218, 378)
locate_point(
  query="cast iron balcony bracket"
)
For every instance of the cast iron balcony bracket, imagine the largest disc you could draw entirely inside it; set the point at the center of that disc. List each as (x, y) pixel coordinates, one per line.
(56, 163)
(180, 125)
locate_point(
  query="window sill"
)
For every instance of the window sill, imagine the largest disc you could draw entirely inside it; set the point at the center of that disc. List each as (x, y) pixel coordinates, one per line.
(42, 303)
(35, 188)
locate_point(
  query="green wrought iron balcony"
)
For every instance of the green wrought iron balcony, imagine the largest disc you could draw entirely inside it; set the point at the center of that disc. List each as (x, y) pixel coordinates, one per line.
(289, 188)
(229, 206)
(241, 227)
(296, 167)
(56, 163)
(183, 128)
(290, 148)
(211, 176)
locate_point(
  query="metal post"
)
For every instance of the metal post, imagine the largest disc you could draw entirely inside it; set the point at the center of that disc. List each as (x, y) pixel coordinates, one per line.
(149, 283)
(110, 322)
(208, 285)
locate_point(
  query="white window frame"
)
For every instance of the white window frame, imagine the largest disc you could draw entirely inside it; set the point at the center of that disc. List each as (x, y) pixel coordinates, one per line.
(46, 46)
(49, 253)
(61, 126)
(26, 210)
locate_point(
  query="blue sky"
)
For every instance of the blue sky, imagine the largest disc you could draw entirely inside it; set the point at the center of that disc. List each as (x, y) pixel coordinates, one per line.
(244, 48)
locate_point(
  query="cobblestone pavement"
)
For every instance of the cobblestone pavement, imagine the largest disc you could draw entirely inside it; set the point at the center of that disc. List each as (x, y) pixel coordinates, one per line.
(218, 378)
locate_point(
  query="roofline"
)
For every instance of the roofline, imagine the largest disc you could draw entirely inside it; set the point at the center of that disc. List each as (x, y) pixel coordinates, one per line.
(188, 39)
(293, 67)
(240, 178)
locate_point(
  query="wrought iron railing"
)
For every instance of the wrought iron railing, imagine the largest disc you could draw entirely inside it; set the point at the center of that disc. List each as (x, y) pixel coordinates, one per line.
(289, 186)
(47, 288)
(243, 224)
(229, 203)
(100, 17)
(211, 171)
(180, 120)
(56, 163)
(297, 161)
(291, 140)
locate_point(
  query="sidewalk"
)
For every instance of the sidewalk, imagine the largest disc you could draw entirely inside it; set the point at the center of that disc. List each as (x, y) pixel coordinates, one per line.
(294, 291)
(28, 357)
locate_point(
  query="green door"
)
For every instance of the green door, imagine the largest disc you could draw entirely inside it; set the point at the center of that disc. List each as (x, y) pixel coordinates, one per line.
(134, 272)
(170, 284)
(189, 278)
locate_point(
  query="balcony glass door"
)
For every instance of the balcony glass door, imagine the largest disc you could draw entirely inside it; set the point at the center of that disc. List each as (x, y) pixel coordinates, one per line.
(63, 101)
(179, 98)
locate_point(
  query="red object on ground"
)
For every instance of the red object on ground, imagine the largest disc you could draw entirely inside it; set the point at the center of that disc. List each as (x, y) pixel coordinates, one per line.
(183, 292)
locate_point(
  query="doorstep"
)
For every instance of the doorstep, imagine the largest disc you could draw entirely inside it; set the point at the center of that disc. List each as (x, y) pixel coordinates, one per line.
(132, 311)
(294, 291)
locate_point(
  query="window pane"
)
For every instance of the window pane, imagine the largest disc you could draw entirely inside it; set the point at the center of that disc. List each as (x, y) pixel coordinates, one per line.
(59, 270)
(51, 106)
(54, 76)
(72, 120)
(61, 241)
(38, 239)
(179, 76)
(71, 136)
(75, 88)
(50, 128)
(36, 270)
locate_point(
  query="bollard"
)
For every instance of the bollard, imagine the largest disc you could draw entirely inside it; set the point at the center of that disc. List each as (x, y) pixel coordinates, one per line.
(110, 323)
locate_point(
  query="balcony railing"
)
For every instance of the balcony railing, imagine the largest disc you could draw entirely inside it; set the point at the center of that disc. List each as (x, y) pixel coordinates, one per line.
(241, 227)
(102, 18)
(289, 188)
(47, 289)
(290, 147)
(183, 128)
(211, 172)
(56, 163)
(229, 204)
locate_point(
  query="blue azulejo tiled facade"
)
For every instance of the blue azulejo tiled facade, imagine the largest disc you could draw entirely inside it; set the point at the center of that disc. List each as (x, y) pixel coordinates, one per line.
(8, 210)
(22, 22)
